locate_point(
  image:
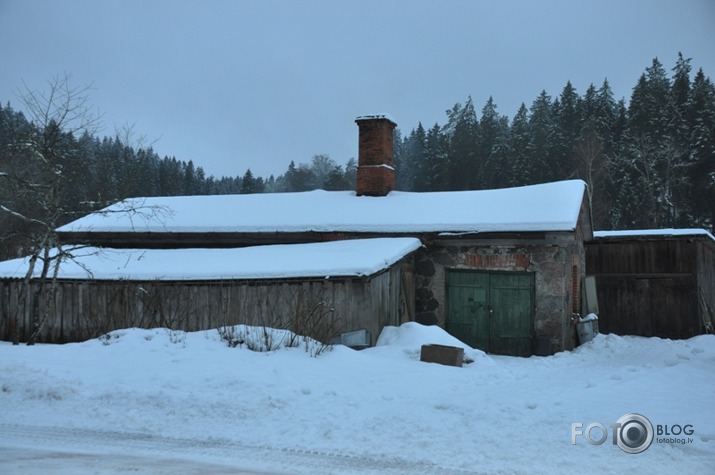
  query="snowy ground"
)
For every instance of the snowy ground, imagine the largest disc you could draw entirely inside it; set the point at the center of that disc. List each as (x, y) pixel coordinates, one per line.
(155, 401)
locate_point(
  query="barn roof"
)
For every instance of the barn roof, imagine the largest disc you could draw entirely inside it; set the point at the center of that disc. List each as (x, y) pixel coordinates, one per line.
(354, 258)
(653, 233)
(545, 207)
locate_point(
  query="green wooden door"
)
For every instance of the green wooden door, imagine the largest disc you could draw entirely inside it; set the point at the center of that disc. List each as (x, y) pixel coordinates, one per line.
(492, 311)
(511, 298)
(468, 308)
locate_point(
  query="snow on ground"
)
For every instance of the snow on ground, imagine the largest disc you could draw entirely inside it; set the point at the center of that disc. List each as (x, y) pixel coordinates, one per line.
(160, 401)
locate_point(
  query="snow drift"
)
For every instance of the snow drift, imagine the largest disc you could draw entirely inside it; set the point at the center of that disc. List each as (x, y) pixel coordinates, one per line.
(156, 400)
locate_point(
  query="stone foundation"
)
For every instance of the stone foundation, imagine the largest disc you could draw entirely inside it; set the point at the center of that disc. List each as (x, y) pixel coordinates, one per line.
(552, 263)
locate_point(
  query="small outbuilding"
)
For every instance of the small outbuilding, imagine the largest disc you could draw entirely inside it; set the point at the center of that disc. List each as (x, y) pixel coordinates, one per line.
(655, 282)
(320, 289)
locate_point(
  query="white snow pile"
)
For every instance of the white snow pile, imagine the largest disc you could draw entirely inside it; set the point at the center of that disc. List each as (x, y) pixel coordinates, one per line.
(254, 338)
(158, 401)
(409, 338)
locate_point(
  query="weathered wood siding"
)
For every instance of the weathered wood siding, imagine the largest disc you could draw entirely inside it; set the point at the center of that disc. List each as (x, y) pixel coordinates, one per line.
(706, 283)
(87, 309)
(649, 287)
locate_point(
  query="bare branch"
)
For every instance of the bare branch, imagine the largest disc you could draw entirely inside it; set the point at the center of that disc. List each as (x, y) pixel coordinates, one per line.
(148, 213)
(63, 105)
(127, 137)
(21, 216)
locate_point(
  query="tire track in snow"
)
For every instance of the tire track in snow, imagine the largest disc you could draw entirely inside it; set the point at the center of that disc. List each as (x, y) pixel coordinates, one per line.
(220, 452)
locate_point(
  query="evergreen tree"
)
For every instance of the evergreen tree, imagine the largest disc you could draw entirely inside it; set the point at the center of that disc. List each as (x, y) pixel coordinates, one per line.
(259, 185)
(299, 178)
(463, 170)
(680, 94)
(650, 103)
(248, 183)
(598, 142)
(519, 138)
(336, 180)
(414, 161)
(399, 160)
(567, 127)
(589, 104)
(492, 146)
(351, 173)
(434, 177)
(200, 184)
(702, 151)
(190, 179)
(270, 185)
(679, 124)
(541, 140)
(604, 111)
(651, 157)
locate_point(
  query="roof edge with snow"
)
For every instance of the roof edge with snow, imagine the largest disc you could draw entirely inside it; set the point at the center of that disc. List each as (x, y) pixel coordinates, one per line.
(375, 117)
(337, 259)
(652, 233)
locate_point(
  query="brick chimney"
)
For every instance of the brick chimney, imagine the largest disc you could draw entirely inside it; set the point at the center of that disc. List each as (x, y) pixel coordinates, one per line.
(375, 172)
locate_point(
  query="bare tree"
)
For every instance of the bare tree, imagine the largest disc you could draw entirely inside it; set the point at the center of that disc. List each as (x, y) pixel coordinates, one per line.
(321, 166)
(659, 175)
(129, 137)
(34, 170)
(590, 163)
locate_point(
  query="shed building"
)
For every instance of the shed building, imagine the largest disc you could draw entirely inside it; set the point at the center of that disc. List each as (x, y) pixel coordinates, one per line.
(321, 289)
(656, 282)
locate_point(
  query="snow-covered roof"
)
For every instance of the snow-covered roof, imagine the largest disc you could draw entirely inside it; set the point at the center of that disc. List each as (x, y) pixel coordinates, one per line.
(546, 207)
(354, 258)
(639, 233)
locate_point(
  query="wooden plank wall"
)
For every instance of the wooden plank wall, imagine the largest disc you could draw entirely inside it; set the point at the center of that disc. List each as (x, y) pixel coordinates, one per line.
(87, 309)
(646, 288)
(706, 283)
(662, 307)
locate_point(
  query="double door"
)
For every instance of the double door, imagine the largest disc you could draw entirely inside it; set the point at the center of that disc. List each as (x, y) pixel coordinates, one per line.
(492, 311)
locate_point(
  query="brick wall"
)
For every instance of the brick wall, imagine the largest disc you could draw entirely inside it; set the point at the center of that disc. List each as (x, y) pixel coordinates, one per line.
(375, 173)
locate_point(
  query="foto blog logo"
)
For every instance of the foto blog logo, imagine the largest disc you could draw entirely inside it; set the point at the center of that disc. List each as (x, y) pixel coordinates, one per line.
(632, 433)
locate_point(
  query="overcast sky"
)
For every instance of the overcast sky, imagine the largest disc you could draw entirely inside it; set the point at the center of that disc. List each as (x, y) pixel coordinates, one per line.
(236, 84)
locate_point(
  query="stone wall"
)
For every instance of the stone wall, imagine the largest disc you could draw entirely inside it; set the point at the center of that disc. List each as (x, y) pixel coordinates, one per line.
(552, 263)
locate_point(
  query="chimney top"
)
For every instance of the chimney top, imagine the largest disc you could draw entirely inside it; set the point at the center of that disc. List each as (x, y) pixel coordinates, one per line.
(376, 117)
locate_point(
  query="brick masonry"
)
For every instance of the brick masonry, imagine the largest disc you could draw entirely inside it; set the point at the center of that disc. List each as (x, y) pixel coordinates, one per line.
(375, 173)
(375, 180)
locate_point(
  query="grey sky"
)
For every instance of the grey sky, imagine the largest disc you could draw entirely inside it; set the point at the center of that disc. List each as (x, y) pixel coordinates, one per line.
(233, 85)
